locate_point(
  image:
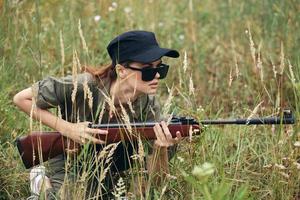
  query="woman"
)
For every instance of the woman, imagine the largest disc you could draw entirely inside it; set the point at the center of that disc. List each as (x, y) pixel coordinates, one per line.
(129, 82)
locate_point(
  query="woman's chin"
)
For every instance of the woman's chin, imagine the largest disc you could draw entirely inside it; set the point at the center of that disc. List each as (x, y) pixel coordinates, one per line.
(152, 91)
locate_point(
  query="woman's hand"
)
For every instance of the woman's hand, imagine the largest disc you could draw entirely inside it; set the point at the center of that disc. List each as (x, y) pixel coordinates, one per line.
(164, 137)
(81, 133)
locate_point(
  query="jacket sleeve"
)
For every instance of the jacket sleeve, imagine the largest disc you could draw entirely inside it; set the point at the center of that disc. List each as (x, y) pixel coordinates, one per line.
(51, 92)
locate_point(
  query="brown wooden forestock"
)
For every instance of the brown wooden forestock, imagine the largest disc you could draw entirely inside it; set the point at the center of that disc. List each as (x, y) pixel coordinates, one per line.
(38, 147)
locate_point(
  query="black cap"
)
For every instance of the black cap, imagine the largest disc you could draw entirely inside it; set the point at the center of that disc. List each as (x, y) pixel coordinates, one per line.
(138, 46)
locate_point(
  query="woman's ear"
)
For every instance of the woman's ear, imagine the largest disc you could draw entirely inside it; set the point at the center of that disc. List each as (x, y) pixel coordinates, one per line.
(121, 71)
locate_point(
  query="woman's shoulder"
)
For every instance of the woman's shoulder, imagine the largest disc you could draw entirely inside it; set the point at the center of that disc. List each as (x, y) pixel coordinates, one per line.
(82, 78)
(79, 79)
(67, 83)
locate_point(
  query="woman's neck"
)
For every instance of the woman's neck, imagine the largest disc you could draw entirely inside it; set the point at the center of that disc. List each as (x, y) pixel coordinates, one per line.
(122, 93)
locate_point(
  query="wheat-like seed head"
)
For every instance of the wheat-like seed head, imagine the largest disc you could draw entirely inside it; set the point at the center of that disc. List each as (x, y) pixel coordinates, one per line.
(292, 73)
(87, 93)
(141, 151)
(108, 160)
(180, 79)
(119, 189)
(230, 77)
(77, 61)
(105, 151)
(82, 38)
(74, 74)
(170, 118)
(168, 102)
(125, 118)
(101, 112)
(252, 47)
(274, 69)
(130, 107)
(103, 173)
(278, 99)
(260, 66)
(237, 70)
(83, 176)
(111, 152)
(110, 102)
(191, 86)
(90, 98)
(62, 48)
(185, 62)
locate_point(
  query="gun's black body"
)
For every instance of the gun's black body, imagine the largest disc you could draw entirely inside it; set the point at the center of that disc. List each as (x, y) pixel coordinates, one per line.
(287, 118)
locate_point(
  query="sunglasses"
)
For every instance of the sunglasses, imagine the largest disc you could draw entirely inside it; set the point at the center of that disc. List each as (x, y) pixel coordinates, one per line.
(149, 72)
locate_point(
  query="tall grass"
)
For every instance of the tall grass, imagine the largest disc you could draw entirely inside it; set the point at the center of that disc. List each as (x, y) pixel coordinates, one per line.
(239, 55)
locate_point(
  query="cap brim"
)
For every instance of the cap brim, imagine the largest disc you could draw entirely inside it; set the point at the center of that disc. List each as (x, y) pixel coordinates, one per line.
(154, 54)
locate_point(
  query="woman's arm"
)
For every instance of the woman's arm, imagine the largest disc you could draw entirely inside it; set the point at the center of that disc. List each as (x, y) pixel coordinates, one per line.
(157, 164)
(158, 161)
(79, 132)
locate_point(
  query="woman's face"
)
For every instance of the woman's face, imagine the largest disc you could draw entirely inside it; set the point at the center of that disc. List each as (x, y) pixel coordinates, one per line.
(134, 78)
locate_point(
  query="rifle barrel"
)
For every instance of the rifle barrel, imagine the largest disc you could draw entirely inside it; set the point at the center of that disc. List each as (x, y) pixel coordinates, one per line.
(253, 121)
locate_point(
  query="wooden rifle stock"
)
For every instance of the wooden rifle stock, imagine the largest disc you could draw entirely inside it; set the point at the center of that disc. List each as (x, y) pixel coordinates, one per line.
(39, 147)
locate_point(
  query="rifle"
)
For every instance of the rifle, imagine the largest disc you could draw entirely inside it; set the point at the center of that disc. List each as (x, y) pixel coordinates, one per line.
(38, 147)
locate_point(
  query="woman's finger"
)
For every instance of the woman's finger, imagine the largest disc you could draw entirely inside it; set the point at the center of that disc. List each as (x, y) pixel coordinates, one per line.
(93, 139)
(166, 131)
(159, 141)
(158, 132)
(96, 131)
(178, 135)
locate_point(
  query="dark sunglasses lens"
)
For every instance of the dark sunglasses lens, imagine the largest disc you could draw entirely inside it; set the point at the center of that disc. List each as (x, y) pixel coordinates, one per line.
(148, 74)
(163, 71)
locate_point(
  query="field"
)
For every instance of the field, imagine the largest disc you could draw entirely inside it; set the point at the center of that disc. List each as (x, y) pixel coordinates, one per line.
(238, 59)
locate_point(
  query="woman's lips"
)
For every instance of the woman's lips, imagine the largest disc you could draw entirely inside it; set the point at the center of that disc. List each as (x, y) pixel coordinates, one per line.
(153, 84)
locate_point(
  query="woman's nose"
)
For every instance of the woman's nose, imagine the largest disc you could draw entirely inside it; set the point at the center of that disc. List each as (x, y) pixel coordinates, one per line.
(157, 75)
